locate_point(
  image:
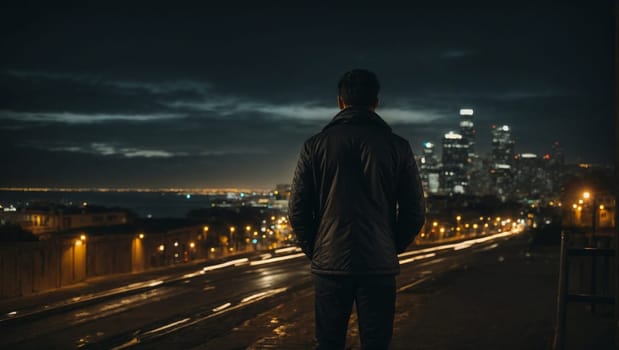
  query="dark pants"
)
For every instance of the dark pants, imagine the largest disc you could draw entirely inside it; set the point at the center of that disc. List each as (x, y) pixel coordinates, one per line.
(374, 296)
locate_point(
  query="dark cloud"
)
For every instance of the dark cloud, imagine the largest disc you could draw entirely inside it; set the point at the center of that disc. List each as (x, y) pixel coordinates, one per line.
(216, 96)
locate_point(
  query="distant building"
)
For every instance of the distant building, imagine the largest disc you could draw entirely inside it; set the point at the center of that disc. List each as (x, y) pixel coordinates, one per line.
(429, 168)
(477, 174)
(454, 163)
(502, 158)
(556, 167)
(468, 132)
(530, 177)
(502, 144)
(51, 218)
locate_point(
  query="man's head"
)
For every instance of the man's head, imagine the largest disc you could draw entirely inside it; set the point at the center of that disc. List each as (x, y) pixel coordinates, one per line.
(359, 88)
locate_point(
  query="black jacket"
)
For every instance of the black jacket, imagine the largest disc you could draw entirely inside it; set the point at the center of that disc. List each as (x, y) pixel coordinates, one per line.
(356, 199)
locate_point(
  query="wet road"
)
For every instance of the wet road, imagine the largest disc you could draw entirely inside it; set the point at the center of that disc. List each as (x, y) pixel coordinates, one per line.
(214, 299)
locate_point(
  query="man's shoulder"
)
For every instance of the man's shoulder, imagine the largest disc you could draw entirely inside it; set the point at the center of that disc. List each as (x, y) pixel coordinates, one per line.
(312, 139)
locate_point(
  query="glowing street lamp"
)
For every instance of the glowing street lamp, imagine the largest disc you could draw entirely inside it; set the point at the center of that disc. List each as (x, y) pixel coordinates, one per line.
(232, 229)
(594, 207)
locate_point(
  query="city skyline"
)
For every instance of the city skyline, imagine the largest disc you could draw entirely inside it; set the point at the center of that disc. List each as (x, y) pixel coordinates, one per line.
(221, 97)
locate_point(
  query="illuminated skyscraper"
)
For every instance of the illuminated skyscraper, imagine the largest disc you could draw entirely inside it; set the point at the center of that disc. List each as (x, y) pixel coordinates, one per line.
(502, 144)
(429, 168)
(502, 157)
(467, 130)
(455, 160)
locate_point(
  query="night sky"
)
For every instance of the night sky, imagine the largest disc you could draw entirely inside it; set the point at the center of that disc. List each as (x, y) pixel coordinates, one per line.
(218, 97)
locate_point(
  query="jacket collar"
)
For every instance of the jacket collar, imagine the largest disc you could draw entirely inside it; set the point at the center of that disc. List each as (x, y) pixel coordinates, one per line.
(357, 115)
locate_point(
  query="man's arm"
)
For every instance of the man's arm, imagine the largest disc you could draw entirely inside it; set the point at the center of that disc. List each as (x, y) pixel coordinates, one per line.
(301, 204)
(411, 204)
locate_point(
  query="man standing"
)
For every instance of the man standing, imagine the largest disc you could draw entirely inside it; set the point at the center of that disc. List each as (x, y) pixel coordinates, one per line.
(356, 203)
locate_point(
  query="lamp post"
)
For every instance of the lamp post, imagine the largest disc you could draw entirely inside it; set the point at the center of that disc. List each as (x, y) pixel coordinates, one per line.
(232, 229)
(247, 235)
(586, 195)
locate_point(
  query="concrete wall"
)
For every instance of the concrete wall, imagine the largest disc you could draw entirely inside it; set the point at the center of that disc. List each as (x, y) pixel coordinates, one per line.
(31, 267)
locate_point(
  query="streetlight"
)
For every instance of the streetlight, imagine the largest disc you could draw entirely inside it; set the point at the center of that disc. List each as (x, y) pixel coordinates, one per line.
(588, 195)
(232, 229)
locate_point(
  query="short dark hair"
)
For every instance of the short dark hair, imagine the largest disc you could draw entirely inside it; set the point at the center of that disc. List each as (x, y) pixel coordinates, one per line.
(359, 87)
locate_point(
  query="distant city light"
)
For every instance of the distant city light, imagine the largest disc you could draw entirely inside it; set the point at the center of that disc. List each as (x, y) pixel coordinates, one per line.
(428, 144)
(188, 196)
(466, 111)
(466, 124)
(528, 155)
(453, 136)
(505, 128)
